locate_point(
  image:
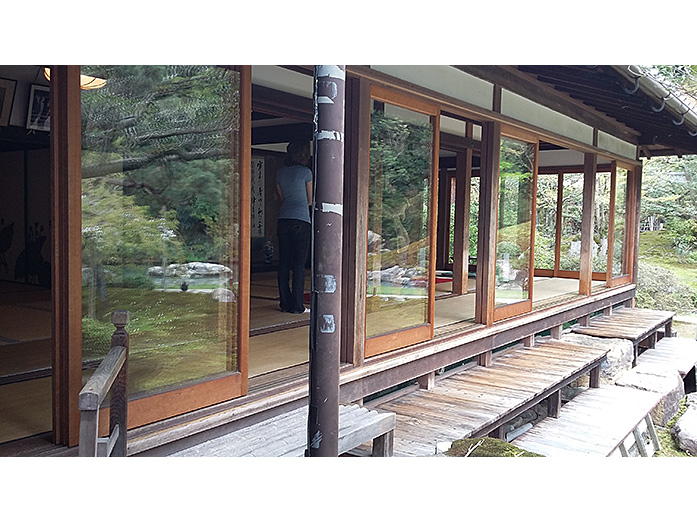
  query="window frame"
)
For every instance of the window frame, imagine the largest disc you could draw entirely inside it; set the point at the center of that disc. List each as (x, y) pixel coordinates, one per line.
(402, 338)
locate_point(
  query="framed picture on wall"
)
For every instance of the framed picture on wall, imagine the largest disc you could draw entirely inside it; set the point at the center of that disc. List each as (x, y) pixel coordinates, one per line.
(39, 115)
(7, 95)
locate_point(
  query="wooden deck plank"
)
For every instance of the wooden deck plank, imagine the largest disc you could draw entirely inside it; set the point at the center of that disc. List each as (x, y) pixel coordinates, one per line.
(628, 323)
(480, 397)
(676, 353)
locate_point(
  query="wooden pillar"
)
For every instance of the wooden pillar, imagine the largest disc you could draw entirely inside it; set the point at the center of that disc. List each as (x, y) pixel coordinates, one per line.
(463, 176)
(488, 210)
(636, 177)
(357, 159)
(327, 225)
(66, 137)
(586, 267)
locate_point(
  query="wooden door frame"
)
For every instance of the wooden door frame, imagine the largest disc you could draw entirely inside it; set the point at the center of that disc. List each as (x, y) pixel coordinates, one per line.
(629, 215)
(403, 338)
(523, 306)
(67, 278)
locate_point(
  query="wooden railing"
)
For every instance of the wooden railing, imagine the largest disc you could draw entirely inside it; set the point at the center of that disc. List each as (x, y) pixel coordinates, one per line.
(112, 374)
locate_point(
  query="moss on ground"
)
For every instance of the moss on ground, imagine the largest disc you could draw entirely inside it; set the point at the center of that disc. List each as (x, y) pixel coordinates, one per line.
(670, 447)
(486, 448)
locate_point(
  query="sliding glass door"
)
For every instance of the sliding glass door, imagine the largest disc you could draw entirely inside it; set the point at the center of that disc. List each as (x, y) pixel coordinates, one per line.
(515, 227)
(163, 210)
(401, 249)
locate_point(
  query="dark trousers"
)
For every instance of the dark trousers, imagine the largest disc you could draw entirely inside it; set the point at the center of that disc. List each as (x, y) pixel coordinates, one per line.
(293, 243)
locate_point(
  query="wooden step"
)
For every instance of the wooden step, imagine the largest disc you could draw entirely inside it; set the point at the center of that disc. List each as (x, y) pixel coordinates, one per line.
(594, 423)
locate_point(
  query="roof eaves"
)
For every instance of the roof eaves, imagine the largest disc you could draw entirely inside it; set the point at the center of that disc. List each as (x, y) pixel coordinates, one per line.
(664, 98)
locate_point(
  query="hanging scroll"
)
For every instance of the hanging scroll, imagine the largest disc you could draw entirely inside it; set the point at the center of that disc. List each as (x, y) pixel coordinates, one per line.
(258, 197)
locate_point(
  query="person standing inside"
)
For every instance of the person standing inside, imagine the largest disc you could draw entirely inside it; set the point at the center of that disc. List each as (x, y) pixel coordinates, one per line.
(294, 184)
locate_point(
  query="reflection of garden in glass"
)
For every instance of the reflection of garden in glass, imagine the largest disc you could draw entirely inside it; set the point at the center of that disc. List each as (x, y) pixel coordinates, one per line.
(619, 226)
(546, 221)
(401, 144)
(513, 235)
(571, 218)
(159, 179)
(601, 221)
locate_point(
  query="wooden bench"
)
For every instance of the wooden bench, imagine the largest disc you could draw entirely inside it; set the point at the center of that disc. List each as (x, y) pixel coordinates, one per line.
(640, 326)
(285, 435)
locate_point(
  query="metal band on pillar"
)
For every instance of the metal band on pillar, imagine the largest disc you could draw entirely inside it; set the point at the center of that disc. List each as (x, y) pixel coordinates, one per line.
(325, 323)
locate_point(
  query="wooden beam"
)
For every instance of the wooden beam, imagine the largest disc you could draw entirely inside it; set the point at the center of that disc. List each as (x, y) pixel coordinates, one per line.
(524, 84)
(586, 262)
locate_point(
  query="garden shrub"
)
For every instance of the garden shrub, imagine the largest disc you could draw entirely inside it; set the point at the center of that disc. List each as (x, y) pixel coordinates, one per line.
(659, 288)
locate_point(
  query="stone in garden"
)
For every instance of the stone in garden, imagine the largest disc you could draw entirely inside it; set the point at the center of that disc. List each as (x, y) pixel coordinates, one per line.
(618, 360)
(657, 378)
(685, 430)
(223, 295)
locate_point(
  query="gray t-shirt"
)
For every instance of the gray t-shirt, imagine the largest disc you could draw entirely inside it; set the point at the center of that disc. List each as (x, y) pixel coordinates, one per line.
(293, 182)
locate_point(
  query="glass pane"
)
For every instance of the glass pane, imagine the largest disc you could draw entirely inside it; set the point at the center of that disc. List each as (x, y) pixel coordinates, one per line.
(401, 147)
(571, 217)
(601, 222)
(513, 235)
(546, 221)
(620, 220)
(160, 183)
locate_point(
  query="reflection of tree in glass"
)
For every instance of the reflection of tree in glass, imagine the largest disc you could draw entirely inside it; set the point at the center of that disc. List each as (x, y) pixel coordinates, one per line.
(162, 134)
(515, 193)
(400, 166)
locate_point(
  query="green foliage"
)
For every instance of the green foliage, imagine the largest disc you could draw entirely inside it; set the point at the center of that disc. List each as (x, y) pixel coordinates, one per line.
(96, 338)
(400, 169)
(683, 234)
(115, 230)
(659, 288)
(162, 135)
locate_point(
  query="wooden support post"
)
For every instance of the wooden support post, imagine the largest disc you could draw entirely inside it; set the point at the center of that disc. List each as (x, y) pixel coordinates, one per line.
(584, 321)
(118, 407)
(484, 359)
(383, 446)
(607, 311)
(488, 210)
(499, 432)
(594, 380)
(463, 177)
(529, 341)
(427, 381)
(556, 331)
(669, 329)
(554, 404)
(327, 243)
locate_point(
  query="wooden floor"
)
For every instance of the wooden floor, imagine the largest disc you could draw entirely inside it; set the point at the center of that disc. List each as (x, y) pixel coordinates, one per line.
(461, 405)
(594, 423)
